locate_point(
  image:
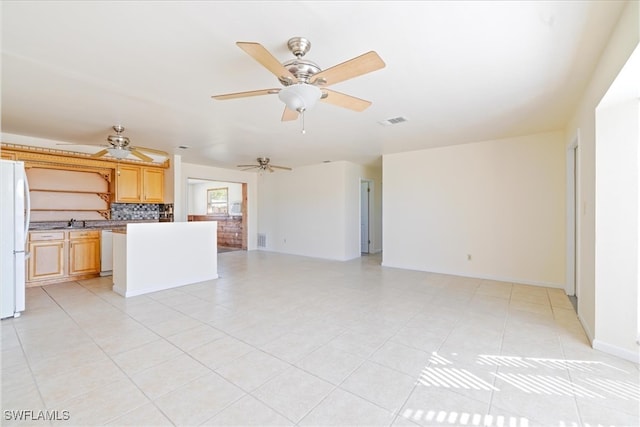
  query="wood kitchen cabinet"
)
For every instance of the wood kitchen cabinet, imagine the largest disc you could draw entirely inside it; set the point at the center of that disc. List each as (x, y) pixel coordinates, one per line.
(84, 252)
(139, 184)
(152, 185)
(128, 182)
(47, 260)
(60, 256)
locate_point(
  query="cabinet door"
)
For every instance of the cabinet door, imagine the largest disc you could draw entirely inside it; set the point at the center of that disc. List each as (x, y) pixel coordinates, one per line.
(84, 256)
(153, 185)
(46, 261)
(128, 184)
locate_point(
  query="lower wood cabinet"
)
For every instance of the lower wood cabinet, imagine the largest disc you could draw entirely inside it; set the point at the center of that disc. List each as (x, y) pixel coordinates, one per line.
(58, 256)
(84, 252)
(47, 256)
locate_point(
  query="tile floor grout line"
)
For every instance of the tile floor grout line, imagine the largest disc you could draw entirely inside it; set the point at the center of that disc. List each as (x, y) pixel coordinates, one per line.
(150, 399)
(497, 368)
(348, 286)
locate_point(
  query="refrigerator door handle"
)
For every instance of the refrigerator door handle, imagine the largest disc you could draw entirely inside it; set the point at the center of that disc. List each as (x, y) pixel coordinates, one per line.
(27, 207)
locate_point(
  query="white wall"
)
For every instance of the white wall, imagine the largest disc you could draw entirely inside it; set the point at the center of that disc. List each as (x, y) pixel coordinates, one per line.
(501, 202)
(622, 42)
(189, 170)
(313, 210)
(617, 221)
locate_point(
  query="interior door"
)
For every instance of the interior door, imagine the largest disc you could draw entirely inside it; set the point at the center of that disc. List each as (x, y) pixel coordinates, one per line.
(364, 216)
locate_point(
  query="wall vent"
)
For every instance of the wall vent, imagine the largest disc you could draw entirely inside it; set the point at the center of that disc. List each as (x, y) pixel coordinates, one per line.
(262, 240)
(393, 121)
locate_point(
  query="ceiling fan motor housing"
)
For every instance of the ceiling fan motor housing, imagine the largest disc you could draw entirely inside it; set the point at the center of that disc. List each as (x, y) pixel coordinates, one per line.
(302, 69)
(117, 140)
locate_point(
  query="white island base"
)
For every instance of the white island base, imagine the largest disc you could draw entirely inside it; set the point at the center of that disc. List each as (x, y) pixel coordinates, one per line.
(150, 257)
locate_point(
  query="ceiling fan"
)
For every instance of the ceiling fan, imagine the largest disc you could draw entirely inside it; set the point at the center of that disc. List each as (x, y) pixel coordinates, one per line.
(304, 82)
(120, 148)
(263, 165)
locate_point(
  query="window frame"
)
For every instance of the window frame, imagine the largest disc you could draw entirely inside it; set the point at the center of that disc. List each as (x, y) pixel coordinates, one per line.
(218, 204)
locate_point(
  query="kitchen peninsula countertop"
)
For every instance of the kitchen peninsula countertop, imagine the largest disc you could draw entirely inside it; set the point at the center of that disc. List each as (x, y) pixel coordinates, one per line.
(154, 257)
(89, 225)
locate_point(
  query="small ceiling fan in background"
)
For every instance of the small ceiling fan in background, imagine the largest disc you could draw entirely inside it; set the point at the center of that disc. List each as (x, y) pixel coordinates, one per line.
(119, 147)
(263, 165)
(304, 82)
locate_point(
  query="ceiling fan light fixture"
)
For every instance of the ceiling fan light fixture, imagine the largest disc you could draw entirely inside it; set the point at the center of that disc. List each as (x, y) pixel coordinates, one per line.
(300, 97)
(118, 152)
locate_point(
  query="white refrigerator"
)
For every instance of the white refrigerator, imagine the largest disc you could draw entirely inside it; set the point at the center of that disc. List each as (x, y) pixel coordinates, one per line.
(14, 226)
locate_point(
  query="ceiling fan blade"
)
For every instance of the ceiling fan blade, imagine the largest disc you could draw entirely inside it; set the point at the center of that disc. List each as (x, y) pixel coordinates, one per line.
(252, 167)
(355, 67)
(270, 169)
(288, 114)
(248, 166)
(100, 153)
(345, 101)
(70, 143)
(281, 167)
(267, 60)
(246, 94)
(141, 156)
(151, 150)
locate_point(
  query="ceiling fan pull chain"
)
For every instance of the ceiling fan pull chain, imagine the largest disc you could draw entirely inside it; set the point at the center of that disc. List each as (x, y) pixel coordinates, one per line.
(302, 114)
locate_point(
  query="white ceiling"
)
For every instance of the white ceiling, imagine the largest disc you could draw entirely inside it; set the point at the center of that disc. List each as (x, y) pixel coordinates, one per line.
(458, 71)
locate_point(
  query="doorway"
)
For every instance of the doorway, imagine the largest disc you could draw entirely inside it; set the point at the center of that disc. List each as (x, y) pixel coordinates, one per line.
(365, 215)
(224, 202)
(573, 221)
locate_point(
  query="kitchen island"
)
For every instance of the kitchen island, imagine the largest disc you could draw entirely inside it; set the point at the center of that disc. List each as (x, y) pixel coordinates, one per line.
(151, 257)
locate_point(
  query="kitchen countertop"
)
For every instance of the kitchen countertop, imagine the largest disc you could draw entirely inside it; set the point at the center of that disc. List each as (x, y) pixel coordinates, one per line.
(89, 225)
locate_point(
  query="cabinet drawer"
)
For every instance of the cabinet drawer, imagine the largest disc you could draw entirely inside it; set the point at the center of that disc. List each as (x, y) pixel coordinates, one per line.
(84, 234)
(46, 235)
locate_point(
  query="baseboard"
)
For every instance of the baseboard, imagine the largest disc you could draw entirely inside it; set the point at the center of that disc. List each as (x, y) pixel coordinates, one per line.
(127, 294)
(482, 277)
(614, 350)
(586, 329)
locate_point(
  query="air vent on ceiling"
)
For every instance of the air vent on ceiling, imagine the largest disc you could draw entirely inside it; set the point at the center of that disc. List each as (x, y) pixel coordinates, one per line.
(393, 121)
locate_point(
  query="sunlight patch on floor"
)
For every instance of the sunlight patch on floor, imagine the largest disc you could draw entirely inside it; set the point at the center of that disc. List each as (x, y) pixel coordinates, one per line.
(453, 378)
(545, 384)
(433, 417)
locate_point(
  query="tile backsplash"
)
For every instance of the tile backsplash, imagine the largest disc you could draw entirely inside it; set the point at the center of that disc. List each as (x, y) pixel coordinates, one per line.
(133, 211)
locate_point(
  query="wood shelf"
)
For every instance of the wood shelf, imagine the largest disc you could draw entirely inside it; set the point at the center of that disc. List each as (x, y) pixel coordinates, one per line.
(69, 191)
(68, 210)
(105, 213)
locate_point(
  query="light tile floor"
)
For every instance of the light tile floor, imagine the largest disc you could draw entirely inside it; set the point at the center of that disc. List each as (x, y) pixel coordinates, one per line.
(286, 340)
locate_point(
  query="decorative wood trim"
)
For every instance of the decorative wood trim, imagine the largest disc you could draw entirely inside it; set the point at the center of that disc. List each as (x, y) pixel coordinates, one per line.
(69, 158)
(105, 196)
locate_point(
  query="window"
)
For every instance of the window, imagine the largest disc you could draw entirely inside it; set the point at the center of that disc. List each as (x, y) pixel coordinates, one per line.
(218, 201)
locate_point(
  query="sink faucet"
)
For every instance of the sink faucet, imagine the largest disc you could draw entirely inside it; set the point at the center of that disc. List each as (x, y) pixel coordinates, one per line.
(71, 222)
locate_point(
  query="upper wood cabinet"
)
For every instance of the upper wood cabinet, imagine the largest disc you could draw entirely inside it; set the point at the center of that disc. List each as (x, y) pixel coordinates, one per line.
(128, 182)
(139, 184)
(152, 185)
